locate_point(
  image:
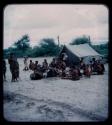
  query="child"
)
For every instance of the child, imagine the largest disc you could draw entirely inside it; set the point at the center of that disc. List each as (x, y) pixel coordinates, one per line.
(25, 63)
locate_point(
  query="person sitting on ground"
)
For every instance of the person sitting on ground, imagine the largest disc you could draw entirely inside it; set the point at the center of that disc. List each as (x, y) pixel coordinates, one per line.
(35, 65)
(52, 72)
(65, 58)
(31, 65)
(103, 67)
(45, 65)
(45, 73)
(58, 64)
(63, 65)
(87, 71)
(39, 68)
(82, 64)
(63, 75)
(4, 70)
(59, 71)
(78, 69)
(37, 74)
(67, 71)
(53, 63)
(75, 74)
(81, 67)
(94, 67)
(25, 64)
(91, 65)
(100, 68)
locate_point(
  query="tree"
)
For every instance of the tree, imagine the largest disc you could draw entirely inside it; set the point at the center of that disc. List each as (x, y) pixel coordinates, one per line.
(48, 47)
(47, 42)
(23, 43)
(21, 47)
(80, 40)
(101, 48)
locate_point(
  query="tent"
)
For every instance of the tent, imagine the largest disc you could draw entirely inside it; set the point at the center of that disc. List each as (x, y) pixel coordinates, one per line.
(76, 52)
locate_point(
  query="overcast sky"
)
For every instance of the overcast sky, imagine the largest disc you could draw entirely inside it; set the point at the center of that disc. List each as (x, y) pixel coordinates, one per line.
(48, 21)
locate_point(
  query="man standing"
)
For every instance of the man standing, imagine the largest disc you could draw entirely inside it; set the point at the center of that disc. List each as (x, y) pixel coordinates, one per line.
(12, 61)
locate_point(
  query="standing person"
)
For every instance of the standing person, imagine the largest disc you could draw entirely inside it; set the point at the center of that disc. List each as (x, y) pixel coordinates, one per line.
(25, 64)
(15, 70)
(4, 70)
(11, 61)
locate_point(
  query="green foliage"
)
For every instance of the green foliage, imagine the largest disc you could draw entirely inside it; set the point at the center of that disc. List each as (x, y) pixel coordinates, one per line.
(47, 47)
(20, 48)
(102, 48)
(23, 43)
(80, 40)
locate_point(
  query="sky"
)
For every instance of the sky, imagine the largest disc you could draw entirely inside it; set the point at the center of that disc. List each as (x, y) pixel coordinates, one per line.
(69, 21)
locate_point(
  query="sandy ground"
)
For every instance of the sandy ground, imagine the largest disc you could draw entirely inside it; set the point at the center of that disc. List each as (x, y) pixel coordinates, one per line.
(55, 99)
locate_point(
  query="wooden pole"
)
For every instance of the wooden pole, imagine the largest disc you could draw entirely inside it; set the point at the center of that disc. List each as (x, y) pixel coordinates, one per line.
(58, 41)
(89, 39)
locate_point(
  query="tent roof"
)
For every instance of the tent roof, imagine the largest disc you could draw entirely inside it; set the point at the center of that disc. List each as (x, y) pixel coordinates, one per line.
(82, 50)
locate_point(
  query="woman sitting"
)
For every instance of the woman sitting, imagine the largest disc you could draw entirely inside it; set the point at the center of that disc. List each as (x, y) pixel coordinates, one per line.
(31, 65)
(38, 74)
(75, 74)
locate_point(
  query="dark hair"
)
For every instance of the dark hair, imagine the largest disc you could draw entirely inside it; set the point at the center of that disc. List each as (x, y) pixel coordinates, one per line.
(93, 59)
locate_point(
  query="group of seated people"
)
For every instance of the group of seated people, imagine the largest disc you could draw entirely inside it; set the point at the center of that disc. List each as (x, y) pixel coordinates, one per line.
(58, 68)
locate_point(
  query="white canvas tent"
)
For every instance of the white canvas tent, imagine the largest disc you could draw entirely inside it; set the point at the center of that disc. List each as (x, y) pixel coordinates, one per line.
(76, 52)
